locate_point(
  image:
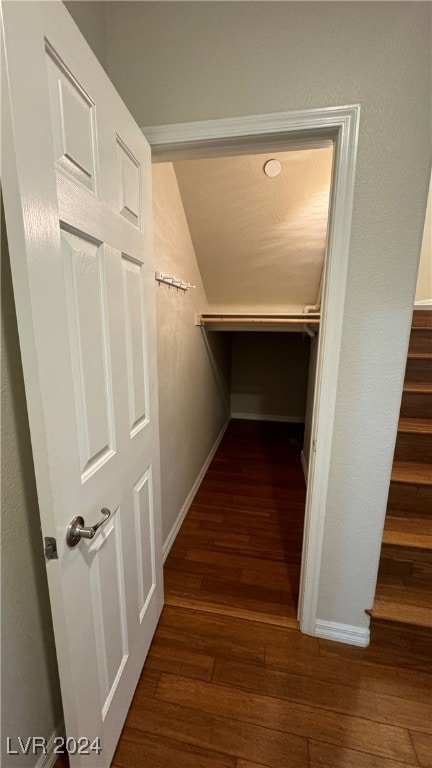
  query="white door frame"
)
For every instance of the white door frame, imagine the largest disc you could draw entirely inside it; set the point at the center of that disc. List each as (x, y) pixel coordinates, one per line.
(301, 129)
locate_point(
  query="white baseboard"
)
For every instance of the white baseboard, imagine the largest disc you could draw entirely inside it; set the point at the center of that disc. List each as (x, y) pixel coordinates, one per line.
(305, 466)
(190, 497)
(266, 417)
(342, 633)
(424, 304)
(48, 760)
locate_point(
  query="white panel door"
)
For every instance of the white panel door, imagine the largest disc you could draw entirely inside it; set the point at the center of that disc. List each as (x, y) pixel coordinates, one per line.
(77, 188)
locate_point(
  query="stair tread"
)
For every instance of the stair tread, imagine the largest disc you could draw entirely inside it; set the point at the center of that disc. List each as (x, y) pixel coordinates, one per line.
(411, 472)
(405, 539)
(401, 524)
(403, 595)
(418, 615)
(415, 426)
(418, 386)
(420, 355)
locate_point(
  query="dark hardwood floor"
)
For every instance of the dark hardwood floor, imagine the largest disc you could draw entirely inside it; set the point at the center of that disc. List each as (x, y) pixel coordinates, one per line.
(238, 552)
(229, 681)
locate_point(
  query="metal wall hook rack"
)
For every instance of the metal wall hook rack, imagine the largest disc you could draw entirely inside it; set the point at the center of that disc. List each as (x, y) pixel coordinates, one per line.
(174, 281)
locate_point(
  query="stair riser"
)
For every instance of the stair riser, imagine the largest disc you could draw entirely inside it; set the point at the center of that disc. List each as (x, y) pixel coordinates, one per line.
(408, 499)
(419, 369)
(407, 562)
(422, 317)
(410, 572)
(413, 447)
(416, 405)
(420, 340)
(413, 643)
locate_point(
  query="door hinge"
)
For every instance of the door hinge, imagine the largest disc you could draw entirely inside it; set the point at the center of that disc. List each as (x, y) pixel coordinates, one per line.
(50, 548)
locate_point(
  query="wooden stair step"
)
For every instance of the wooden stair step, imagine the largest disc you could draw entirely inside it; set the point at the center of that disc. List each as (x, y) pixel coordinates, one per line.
(404, 595)
(400, 524)
(410, 532)
(416, 399)
(420, 387)
(422, 318)
(415, 426)
(414, 440)
(410, 540)
(410, 500)
(420, 339)
(419, 367)
(414, 473)
(419, 355)
(405, 566)
(416, 615)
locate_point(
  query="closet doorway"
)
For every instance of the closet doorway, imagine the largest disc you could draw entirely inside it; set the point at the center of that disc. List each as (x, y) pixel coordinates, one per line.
(239, 316)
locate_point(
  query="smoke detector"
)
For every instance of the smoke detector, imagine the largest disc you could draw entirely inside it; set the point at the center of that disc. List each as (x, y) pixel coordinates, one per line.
(272, 168)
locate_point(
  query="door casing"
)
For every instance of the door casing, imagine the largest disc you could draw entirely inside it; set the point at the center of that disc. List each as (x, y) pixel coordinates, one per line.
(296, 130)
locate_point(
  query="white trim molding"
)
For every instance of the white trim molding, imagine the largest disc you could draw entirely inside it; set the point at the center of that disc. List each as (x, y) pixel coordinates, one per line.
(268, 417)
(238, 135)
(47, 760)
(170, 539)
(311, 127)
(342, 633)
(304, 466)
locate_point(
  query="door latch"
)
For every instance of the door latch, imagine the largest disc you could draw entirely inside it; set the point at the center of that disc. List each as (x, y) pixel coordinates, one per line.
(50, 548)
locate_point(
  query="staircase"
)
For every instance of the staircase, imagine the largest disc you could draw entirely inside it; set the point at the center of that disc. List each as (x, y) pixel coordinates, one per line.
(404, 587)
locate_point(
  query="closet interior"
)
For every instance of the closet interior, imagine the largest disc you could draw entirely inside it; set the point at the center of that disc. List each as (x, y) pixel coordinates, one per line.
(240, 245)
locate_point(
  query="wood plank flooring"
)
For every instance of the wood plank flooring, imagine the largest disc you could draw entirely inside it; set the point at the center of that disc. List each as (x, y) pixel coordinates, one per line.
(238, 552)
(229, 681)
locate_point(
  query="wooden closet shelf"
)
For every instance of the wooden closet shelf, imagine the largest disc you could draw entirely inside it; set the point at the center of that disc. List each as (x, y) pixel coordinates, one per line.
(264, 322)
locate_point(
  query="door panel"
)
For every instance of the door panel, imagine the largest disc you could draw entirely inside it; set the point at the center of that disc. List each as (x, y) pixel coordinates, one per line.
(73, 115)
(145, 543)
(136, 348)
(77, 189)
(84, 265)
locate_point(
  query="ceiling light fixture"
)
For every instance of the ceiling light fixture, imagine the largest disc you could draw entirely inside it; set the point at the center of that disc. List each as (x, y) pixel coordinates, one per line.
(272, 168)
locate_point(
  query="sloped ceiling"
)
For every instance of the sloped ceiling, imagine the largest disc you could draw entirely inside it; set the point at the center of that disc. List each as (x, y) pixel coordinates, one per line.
(259, 242)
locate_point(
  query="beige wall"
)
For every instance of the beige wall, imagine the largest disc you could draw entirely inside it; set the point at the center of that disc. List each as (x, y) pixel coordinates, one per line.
(193, 367)
(174, 62)
(424, 279)
(259, 241)
(89, 16)
(31, 703)
(269, 374)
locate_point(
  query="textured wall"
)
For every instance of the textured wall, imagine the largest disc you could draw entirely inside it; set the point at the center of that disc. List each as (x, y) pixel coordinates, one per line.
(193, 367)
(89, 16)
(31, 703)
(269, 374)
(175, 62)
(259, 241)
